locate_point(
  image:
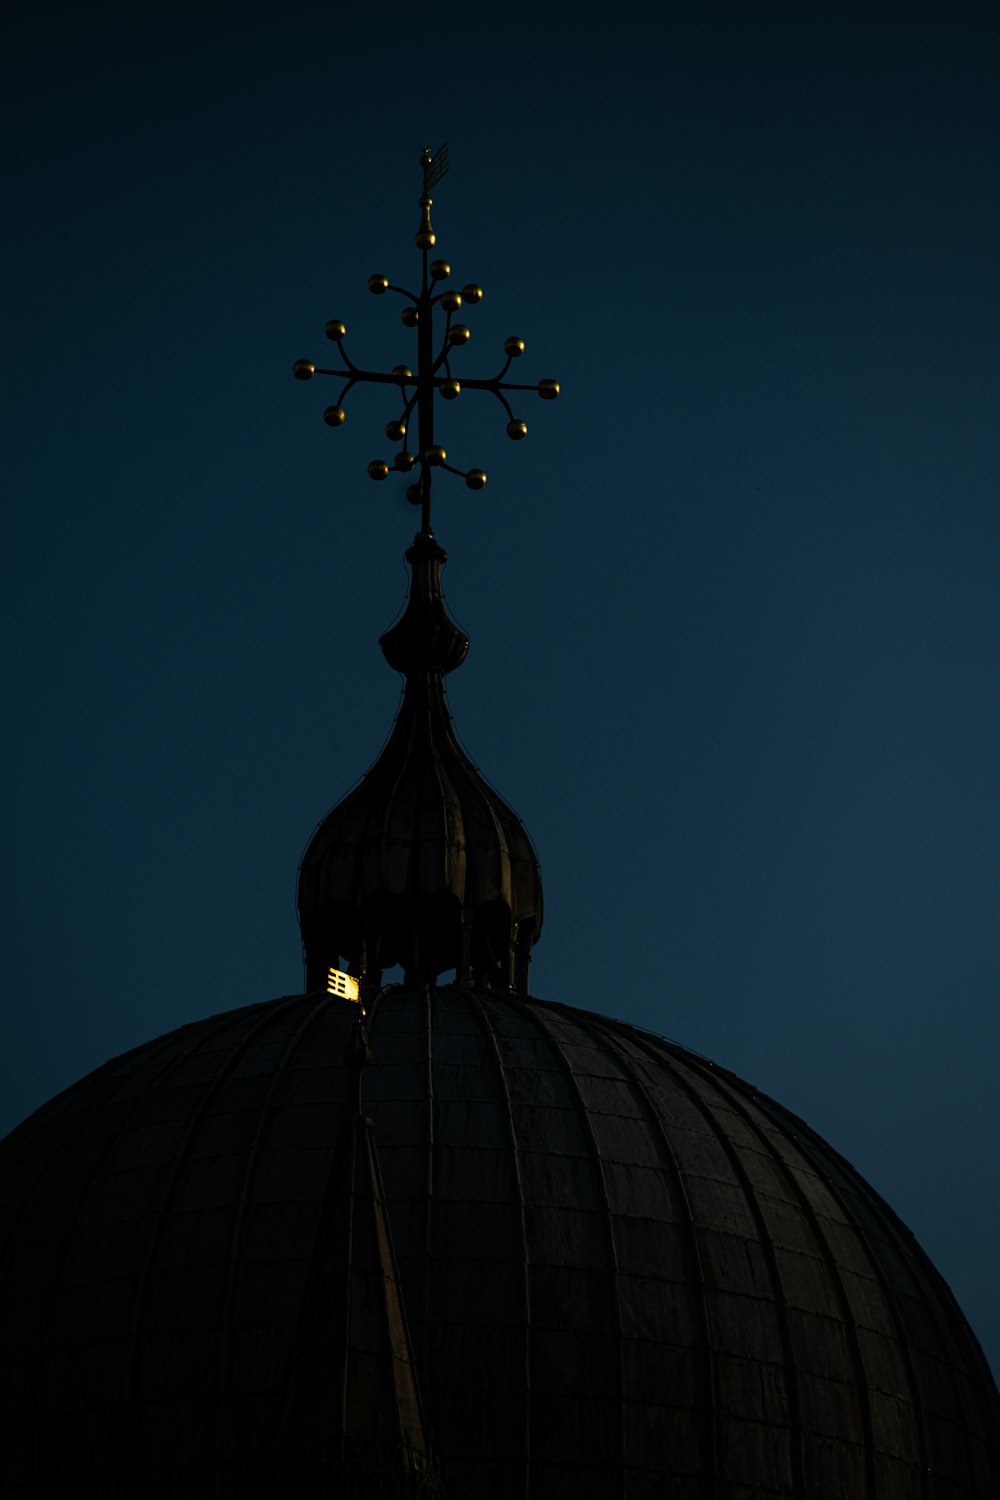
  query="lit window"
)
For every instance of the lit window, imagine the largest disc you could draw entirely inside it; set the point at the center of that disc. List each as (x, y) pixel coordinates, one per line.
(338, 983)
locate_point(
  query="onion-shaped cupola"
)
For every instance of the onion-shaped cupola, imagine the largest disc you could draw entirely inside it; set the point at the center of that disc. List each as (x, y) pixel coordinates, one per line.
(423, 864)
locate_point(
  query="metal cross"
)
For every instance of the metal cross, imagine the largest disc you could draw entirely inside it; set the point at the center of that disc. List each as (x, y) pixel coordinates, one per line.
(434, 377)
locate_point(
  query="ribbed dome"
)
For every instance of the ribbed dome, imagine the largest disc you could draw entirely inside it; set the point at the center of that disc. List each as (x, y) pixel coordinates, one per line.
(423, 864)
(626, 1273)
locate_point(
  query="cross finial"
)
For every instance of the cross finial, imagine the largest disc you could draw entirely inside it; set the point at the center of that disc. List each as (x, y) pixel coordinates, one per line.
(419, 394)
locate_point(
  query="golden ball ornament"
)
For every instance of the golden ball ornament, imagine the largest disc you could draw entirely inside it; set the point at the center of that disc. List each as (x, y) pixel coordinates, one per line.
(402, 372)
(459, 333)
(404, 462)
(472, 293)
(475, 479)
(513, 347)
(395, 431)
(548, 389)
(451, 301)
(516, 429)
(303, 369)
(449, 389)
(439, 270)
(409, 317)
(378, 469)
(414, 494)
(334, 416)
(377, 285)
(435, 455)
(335, 330)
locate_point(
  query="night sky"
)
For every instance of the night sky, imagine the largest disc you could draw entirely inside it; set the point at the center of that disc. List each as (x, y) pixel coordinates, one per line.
(734, 602)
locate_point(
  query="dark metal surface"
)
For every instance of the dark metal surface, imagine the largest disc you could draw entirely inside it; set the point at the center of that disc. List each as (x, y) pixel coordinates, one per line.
(351, 1423)
(423, 864)
(625, 1273)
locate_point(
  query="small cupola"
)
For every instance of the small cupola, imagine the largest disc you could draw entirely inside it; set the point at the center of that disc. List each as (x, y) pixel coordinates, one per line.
(423, 864)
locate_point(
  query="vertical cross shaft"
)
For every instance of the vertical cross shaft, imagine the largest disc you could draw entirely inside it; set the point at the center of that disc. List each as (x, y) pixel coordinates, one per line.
(425, 380)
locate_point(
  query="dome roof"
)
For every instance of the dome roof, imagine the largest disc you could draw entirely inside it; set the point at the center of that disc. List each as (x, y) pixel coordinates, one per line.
(526, 1253)
(625, 1272)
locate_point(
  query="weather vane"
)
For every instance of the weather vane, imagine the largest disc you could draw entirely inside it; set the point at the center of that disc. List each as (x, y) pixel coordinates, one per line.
(434, 376)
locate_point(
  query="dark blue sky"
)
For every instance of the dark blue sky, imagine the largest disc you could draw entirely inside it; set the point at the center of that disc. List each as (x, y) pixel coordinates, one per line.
(733, 604)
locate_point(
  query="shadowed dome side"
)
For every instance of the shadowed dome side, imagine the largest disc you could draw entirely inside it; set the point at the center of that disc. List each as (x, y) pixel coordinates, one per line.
(423, 864)
(351, 1355)
(625, 1271)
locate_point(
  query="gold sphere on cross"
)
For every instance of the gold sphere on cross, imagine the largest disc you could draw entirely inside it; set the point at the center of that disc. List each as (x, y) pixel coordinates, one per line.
(303, 369)
(409, 317)
(395, 431)
(439, 270)
(475, 479)
(335, 330)
(472, 293)
(334, 416)
(378, 469)
(449, 389)
(513, 347)
(516, 429)
(548, 389)
(378, 284)
(459, 333)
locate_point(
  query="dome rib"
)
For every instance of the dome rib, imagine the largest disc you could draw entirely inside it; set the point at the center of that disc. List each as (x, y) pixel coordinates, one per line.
(543, 1023)
(63, 1102)
(961, 1350)
(428, 1011)
(567, 1255)
(847, 1312)
(177, 1055)
(351, 1422)
(927, 1289)
(715, 1079)
(846, 1202)
(415, 1184)
(143, 1291)
(850, 1316)
(314, 1014)
(699, 1278)
(796, 1455)
(485, 1022)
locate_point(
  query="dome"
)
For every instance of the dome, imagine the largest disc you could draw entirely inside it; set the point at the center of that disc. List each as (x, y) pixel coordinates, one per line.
(624, 1271)
(424, 1240)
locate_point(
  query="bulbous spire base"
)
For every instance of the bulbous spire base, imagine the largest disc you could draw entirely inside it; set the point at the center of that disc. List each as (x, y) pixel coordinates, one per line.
(423, 864)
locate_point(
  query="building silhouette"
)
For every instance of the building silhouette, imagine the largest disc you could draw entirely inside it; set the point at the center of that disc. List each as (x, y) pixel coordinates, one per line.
(438, 1237)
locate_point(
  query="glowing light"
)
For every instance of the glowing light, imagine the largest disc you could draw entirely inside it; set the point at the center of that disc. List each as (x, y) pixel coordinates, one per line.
(338, 983)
